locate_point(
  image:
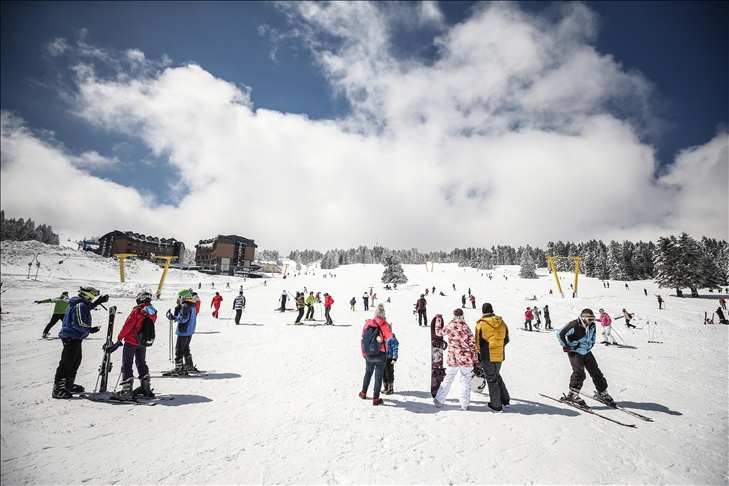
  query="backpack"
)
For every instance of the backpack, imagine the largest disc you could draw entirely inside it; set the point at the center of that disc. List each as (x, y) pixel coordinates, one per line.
(371, 341)
(146, 336)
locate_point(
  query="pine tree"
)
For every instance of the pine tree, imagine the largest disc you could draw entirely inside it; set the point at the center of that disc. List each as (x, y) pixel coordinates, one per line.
(528, 269)
(393, 270)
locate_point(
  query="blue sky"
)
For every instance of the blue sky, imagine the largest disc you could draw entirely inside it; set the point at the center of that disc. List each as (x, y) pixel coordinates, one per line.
(651, 82)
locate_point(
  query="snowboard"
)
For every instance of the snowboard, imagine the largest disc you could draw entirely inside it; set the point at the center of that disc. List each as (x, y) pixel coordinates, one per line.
(437, 370)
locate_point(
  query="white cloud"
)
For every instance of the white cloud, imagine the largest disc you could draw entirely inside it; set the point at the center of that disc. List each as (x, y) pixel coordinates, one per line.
(506, 139)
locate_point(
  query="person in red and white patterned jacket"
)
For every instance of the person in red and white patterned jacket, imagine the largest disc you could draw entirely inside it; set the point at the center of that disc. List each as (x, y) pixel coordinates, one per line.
(462, 358)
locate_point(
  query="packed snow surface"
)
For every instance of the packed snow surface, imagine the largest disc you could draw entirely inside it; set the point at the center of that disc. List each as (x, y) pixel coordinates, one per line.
(280, 403)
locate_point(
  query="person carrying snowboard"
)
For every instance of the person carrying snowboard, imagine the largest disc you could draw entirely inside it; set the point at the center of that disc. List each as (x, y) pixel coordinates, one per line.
(328, 302)
(217, 299)
(185, 316)
(300, 307)
(239, 304)
(375, 363)
(492, 336)
(59, 310)
(77, 325)
(133, 351)
(462, 358)
(606, 323)
(310, 301)
(422, 312)
(577, 339)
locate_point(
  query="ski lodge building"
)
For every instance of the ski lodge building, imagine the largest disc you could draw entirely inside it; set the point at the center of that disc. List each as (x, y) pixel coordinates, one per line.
(143, 246)
(225, 255)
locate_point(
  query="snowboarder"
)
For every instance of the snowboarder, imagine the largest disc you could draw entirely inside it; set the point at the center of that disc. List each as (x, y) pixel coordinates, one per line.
(462, 358)
(547, 319)
(607, 328)
(366, 300)
(239, 304)
(75, 328)
(628, 316)
(217, 299)
(133, 351)
(310, 301)
(59, 310)
(422, 311)
(300, 304)
(185, 316)
(328, 301)
(577, 339)
(492, 336)
(283, 301)
(528, 316)
(375, 363)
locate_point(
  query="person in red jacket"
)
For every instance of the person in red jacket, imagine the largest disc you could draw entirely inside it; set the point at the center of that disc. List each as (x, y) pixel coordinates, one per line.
(376, 363)
(133, 351)
(528, 316)
(328, 301)
(217, 299)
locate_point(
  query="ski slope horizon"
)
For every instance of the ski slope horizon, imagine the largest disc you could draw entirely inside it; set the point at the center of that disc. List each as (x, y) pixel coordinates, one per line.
(280, 403)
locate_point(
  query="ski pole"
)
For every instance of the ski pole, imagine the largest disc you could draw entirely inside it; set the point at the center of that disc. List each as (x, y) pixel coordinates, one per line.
(618, 335)
(171, 337)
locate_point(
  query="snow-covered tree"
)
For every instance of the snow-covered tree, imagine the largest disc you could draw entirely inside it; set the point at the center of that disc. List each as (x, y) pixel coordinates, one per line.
(528, 269)
(393, 270)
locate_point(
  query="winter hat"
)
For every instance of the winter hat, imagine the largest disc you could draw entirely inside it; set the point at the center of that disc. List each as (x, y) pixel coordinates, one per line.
(487, 308)
(458, 313)
(380, 311)
(439, 316)
(65, 292)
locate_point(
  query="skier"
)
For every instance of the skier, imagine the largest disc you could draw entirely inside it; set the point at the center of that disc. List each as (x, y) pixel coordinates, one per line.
(283, 301)
(547, 319)
(328, 301)
(720, 313)
(660, 301)
(310, 301)
(454, 287)
(473, 301)
(186, 318)
(239, 304)
(528, 316)
(607, 328)
(59, 310)
(427, 290)
(375, 363)
(422, 311)
(462, 358)
(538, 316)
(492, 336)
(75, 328)
(133, 351)
(463, 301)
(577, 339)
(300, 307)
(352, 303)
(366, 300)
(217, 299)
(389, 375)
(628, 316)
(722, 301)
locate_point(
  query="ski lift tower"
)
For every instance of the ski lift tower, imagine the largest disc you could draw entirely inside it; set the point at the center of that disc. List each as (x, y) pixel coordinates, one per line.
(167, 259)
(122, 257)
(551, 259)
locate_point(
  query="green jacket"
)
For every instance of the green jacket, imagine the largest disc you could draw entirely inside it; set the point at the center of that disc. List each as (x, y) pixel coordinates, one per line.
(310, 300)
(61, 304)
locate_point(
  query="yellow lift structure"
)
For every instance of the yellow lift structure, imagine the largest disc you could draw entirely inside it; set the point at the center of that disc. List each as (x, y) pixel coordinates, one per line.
(167, 259)
(122, 257)
(551, 259)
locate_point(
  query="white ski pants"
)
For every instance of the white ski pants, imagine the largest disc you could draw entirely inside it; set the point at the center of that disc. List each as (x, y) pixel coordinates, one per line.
(606, 334)
(450, 376)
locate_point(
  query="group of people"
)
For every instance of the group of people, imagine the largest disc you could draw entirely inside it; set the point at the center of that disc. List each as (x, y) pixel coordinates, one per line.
(306, 303)
(533, 313)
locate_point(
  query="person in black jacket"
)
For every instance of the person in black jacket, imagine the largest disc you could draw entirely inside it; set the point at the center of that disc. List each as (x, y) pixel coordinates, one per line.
(422, 313)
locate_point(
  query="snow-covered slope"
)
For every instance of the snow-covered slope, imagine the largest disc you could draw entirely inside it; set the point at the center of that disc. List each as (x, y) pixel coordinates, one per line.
(281, 405)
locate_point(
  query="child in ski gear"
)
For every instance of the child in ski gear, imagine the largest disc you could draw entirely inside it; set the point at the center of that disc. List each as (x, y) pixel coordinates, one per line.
(422, 312)
(59, 310)
(389, 376)
(132, 350)
(528, 316)
(547, 319)
(492, 335)
(462, 358)
(577, 339)
(375, 363)
(366, 300)
(628, 316)
(75, 328)
(352, 302)
(300, 306)
(310, 301)
(185, 316)
(437, 345)
(217, 299)
(606, 323)
(239, 304)
(328, 301)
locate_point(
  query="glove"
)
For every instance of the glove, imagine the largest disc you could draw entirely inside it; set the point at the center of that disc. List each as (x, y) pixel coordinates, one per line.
(566, 349)
(113, 347)
(102, 299)
(393, 361)
(95, 329)
(169, 314)
(475, 369)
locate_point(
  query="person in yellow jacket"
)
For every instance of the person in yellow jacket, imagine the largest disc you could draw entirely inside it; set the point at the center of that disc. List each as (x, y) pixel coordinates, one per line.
(492, 335)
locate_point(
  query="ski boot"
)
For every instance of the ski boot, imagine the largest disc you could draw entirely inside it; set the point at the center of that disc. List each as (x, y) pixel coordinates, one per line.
(189, 365)
(59, 389)
(46, 334)
(604, 397)
(574, 397)
(71, 386)
(126, 392)
(145, 387)
(179, 368)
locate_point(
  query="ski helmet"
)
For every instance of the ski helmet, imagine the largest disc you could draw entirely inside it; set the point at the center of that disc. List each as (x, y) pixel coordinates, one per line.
(144, 296)
(88, 293)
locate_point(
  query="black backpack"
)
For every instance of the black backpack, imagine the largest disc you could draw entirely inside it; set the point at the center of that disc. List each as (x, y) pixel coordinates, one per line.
(146, 337)
(371, 341)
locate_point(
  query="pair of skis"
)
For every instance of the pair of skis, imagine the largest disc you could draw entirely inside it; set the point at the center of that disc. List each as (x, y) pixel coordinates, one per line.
(591, 411)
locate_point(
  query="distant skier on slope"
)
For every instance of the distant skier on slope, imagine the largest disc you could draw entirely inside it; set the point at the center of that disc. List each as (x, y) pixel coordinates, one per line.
(59, 310)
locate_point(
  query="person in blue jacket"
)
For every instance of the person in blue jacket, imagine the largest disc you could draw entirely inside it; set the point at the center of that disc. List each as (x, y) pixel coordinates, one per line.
(389, 376)
(577, 339)
(75, 328)
(185, 315)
